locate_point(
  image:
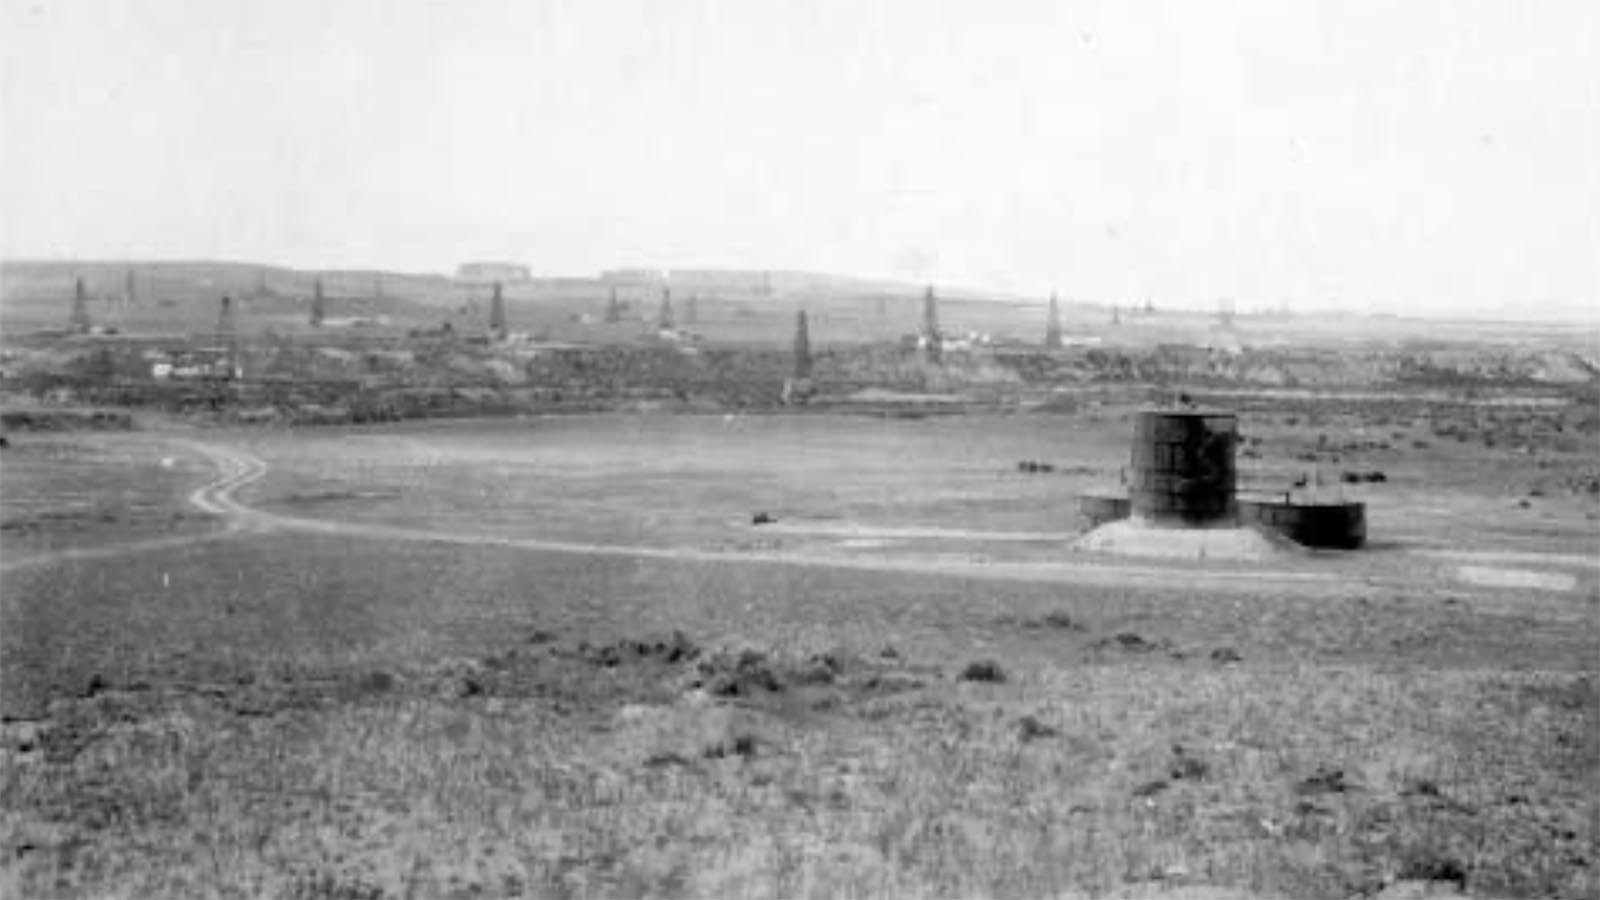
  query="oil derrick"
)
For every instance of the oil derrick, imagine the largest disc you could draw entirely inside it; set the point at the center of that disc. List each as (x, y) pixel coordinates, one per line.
(802, 347)
(261, 284)
(228, 333)
(664, 319)
(101, 366)
(377, 288)
(1052, 328)
(130, 292)
(227, 330)
(318, 304)
(691, 311)
(883, 307)
(497, 312)
(613, 308)
(1225, 312)
(932, 340)
(930, 314)
(1116, 314)
(80, 308)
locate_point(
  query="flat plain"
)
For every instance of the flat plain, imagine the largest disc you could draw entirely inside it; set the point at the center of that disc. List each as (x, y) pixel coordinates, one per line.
(556, 656)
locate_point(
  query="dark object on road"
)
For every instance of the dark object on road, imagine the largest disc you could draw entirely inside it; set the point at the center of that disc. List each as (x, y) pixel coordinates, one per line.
(1226, 655)
(762, 518)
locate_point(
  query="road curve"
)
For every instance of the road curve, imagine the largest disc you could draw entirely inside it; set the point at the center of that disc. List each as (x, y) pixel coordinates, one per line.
(236, 469)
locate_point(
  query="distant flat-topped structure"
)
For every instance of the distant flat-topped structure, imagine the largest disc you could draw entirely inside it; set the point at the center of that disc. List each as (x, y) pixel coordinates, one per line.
(490, 272)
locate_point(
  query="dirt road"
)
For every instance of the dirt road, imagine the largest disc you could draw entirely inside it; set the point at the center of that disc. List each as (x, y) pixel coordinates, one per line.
(237, 469)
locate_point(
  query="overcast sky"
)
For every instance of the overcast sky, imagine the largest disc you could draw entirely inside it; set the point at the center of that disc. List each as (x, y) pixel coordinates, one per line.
(1417, 157)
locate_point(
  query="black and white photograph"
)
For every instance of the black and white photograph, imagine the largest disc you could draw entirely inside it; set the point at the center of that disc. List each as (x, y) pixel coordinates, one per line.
(588, 449)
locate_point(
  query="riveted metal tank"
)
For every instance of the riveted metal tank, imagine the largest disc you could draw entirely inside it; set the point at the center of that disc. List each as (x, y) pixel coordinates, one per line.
(1098, 510)
(1340, 525)
(1183, 472)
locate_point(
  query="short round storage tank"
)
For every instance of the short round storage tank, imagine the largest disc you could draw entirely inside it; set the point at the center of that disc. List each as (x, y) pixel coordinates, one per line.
(1098, 510)
(1338, 526)
(1183, 468)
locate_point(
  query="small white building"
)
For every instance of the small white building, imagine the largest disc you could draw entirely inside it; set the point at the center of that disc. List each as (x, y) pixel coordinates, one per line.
(491, 272)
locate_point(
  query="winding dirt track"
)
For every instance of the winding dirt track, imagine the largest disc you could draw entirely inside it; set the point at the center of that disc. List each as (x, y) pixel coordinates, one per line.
(237, 469)
(234, 470)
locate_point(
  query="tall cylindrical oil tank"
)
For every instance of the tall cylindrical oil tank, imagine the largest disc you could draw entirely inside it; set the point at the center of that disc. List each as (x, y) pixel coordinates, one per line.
(1183, 471)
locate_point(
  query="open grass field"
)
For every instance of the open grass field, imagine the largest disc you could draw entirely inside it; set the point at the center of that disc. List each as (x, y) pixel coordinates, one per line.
(62, 491)
(697, 480)
(554, 657)
(669, 480)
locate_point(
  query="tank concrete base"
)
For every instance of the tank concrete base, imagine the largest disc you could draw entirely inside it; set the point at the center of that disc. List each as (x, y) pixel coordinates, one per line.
(1133, 537)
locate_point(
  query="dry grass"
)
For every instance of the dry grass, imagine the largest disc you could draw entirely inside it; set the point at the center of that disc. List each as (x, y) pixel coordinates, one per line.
(430, 720)
(935, 793)
(687, 479)
(444, 731)
(84, 490)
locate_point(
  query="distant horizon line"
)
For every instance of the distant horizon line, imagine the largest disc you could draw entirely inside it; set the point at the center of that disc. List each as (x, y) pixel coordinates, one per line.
(1562, 316)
